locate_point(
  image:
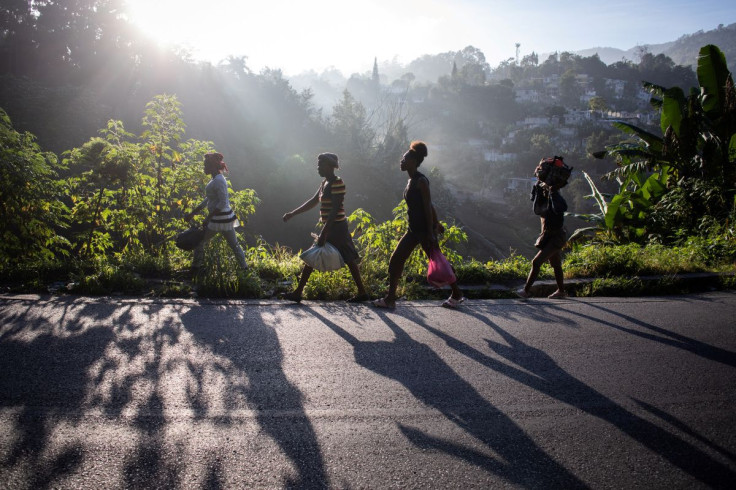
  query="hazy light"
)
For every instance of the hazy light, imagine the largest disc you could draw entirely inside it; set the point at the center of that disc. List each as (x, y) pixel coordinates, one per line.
(297, 36)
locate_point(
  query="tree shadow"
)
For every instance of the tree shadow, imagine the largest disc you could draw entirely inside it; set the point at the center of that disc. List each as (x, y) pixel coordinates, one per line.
(539, 371)
(59, 365)
(433, 382)
(44, 366)
(253, 349)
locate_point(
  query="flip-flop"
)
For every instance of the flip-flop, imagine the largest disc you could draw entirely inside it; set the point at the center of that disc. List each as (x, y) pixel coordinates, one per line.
(452, 302)
(381, 303)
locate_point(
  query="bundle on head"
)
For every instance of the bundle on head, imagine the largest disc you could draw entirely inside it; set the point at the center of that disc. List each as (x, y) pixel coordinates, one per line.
(553, 171)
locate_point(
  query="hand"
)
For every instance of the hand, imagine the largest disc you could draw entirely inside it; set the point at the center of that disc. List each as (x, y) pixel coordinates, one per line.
(287, 216)
(431, 241)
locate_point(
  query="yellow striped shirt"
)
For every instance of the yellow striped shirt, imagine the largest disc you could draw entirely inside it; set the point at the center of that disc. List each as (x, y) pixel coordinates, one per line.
(326, 192)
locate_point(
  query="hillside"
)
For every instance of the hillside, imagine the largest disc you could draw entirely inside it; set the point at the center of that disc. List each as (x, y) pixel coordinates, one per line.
(683, 51)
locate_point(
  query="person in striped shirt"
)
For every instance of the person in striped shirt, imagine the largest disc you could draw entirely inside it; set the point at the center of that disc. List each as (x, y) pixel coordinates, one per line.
(330, 196)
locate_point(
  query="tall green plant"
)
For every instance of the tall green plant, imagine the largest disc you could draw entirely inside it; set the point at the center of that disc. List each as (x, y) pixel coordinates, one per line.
(32, 214)
(696, 153)
(129, 194)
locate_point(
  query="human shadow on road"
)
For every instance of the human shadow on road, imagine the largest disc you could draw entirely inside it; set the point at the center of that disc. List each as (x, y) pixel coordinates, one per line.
(44, 374)
(663, 335)
(683, 427)
(433, 382)
(253, 349)
(539, 371)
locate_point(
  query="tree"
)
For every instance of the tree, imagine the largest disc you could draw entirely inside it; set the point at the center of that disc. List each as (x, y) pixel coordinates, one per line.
(350, 123)
(31, 207)
(569, 89)
(598, 103)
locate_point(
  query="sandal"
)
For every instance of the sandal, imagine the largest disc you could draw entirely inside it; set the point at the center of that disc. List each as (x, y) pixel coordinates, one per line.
(558, 295)
(382, 303)
(521, 293)
(292, 296)
(452, 302)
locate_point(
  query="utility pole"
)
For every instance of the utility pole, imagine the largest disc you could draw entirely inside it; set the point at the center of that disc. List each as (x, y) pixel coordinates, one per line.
(518, 45)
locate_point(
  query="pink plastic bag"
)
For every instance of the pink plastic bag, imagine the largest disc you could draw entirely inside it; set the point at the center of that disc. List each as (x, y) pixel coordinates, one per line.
(439, 270)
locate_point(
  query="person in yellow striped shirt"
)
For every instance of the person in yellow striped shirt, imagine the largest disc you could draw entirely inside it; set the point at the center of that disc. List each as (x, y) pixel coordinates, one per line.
(330, 196)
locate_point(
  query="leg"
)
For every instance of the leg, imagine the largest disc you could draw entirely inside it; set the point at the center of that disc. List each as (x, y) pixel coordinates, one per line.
(199, 251)
(403, 250)
(456, 293)
(232, 240)
(539, 259)
(296, 295)
(355, 272)
(556, 262)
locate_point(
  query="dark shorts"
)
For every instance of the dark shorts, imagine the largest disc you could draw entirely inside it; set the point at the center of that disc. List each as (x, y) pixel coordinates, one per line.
(552, 239)
(339, 237)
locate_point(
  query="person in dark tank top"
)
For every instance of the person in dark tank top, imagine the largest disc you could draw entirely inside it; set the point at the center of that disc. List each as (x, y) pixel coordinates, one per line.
(423, 226)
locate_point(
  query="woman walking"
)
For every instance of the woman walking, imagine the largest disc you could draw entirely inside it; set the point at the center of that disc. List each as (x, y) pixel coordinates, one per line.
(330, 196)
(423, 226)
(551, 207)
(220, 216)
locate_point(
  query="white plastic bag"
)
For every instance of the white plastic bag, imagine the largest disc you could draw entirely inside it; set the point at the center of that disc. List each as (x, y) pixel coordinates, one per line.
(324, 258)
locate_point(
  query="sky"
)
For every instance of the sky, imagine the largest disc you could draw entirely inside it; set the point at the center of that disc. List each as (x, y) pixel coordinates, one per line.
(297, 35)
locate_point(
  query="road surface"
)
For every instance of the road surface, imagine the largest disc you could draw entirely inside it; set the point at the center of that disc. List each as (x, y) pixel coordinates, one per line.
(578, 393)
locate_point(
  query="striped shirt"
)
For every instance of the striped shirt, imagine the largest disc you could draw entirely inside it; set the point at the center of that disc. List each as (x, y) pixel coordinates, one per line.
(326, 192)
(218, 204)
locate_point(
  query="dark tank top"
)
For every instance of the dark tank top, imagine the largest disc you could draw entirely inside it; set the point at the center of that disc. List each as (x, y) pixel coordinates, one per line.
(413, 198)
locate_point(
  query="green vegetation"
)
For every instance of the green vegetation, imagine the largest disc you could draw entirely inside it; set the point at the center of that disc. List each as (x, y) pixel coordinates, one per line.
(99, 218)
(106, 229)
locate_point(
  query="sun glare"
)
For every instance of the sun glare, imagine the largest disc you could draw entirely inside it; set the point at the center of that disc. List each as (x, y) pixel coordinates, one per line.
(295, 36)
(167, 22)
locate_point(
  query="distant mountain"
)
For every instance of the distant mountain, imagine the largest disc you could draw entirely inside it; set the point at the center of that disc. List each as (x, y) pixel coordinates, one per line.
(683, 51)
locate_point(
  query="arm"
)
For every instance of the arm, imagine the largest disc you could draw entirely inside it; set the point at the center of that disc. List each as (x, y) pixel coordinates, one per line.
(436, 225)
(189, 216)
(337, 200)
(557, 203)
(429, 212)
(304, 207)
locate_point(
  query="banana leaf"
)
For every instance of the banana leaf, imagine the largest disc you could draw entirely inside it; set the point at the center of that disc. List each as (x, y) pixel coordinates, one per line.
(654, 141)
(712, 75)
(596, 194)
(674, 107)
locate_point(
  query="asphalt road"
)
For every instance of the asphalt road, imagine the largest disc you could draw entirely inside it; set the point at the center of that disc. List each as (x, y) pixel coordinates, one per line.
(597, 393)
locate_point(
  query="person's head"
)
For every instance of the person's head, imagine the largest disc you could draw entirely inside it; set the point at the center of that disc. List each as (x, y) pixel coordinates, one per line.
(415, 156)
(214, 164)
(326, 164)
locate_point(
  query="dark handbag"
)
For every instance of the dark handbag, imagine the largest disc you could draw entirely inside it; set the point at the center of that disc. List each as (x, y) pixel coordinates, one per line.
(540, 200)
(189, 239)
